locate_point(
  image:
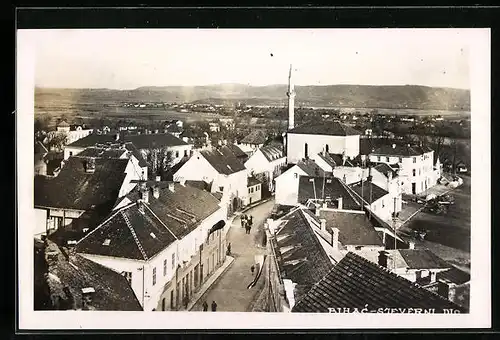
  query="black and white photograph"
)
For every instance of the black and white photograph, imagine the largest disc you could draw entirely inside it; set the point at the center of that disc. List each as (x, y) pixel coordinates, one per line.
(321, 177)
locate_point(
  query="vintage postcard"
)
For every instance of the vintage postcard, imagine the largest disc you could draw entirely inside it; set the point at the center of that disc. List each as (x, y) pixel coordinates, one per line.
(253, 179)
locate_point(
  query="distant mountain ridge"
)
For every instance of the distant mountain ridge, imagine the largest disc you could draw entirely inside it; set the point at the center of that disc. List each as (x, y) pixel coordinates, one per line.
(357, 96)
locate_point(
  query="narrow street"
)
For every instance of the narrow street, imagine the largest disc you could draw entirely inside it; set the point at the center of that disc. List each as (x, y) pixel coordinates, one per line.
(230, 290)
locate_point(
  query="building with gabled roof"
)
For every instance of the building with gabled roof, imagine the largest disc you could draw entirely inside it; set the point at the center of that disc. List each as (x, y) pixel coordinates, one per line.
(75, 283)
(222, 170)
(163, 237)
(314, 190)
(267, 163)
(255, 139)
(356, 284)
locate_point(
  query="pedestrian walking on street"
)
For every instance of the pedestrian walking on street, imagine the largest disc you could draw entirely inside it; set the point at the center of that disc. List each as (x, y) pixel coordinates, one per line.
(242, 222)
(229, 248)
(205, 306)
(251, 219)
(214, 306)
(252, 268)
(247, 229)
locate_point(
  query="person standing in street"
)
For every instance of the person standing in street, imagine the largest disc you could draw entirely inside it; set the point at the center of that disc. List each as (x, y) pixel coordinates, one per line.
(205, 306)
(252, 268)
(229, 248)
(214, 306)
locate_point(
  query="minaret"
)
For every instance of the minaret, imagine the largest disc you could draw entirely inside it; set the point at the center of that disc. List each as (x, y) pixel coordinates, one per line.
(291, 98)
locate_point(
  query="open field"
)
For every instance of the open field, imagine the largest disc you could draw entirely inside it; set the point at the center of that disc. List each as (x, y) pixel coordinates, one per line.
(449, 235)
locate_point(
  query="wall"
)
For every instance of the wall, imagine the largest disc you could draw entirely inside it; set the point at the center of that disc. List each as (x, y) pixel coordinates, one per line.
(196, 168)
(316, 144)
(259, 164)
(287, 186)
(254, 194)
(78, 134)
(71, 151)
(40, 222)
(133, 172)
(349, 174)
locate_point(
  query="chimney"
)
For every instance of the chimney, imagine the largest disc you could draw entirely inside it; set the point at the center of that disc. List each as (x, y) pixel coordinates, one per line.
(344, 158)
(393, 146)
(171, 186)
(156, 192)
(340, 201)
(389, 175)
(411, 245)
(90, 165)
(382, 258)
(335, 238)
(158, 178)
(323, 224)
(117, 136)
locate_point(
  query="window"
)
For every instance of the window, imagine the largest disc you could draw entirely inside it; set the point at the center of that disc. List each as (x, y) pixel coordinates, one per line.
(171, 299)
(221, 189)
(249, 191)
(387, 159)
(258, 188)
(173, 261)
(71, 153)
(128, 276)
(163, 304)
(383, 204)
(177, 154)
(327, 148)
(414, 159)
(378, 158)
(185, 153)
(154, 276)
(164, 267)
(400, 160)
(414, 172)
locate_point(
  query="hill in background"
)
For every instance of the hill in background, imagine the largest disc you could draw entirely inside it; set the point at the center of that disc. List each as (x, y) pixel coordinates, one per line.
(355, 96)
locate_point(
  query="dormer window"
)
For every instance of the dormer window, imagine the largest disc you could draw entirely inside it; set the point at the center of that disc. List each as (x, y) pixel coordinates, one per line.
(106, 242)
(152, 235)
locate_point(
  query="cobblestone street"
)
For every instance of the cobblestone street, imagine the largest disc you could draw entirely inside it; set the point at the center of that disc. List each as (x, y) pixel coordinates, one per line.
(230, 290)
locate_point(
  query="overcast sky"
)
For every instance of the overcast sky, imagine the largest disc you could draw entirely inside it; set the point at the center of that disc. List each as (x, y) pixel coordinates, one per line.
(125, 59)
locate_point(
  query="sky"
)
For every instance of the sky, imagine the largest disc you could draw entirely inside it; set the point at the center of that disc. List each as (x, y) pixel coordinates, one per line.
(127, 59)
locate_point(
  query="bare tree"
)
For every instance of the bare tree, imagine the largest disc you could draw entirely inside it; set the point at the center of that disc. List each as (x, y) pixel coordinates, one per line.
(57, 140)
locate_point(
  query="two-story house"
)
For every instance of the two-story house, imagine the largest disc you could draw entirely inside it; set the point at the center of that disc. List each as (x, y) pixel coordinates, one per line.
(266, 163)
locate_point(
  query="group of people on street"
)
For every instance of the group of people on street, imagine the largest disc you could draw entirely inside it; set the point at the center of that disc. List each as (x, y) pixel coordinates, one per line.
(205, 306)
(247, 221)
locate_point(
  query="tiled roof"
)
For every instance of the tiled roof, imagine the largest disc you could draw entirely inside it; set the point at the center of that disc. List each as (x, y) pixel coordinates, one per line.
(223, 160)
(98, 152)
(184, 209)
(356, 282)
(385, 169)
(454, 275)
(112, 290)
(142, 141)
(237, 151)
(256, 137)
(333, 190)
(422, 259)
(272, 152)
(396, 150)
(364, 191)
(354, 229)
(192, 133)
(137, 154)
(202, 185)
(301, 257)
(252, 181)
(325, 128)
(131, 234)
(73, 188)
(310, 168)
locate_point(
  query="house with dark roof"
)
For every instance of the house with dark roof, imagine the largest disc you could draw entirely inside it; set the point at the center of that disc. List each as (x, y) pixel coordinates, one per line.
(417, 170)
(287, 184)
(84, 192)
(348, 169)
(254, 187)
(167, 239)
(238, 152)
(254, 139)
(173, 129)
(149, 145)
(298, 258)
(222, 170)
(328, 191)
(267, 163)
(76, 283)
(356, 284)
(310, 139)
(378, 200)
(196, 137)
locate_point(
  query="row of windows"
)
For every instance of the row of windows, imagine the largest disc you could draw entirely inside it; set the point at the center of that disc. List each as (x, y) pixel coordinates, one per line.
(164, 268)
(251, 190)
(387, 159)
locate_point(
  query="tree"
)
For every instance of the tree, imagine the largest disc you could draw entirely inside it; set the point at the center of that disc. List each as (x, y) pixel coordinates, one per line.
(57, 140)
(42, 123)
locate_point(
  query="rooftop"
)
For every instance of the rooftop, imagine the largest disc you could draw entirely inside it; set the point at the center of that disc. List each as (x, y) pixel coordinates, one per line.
(111, 290)
(255, 137)
(454, 275)
(396, 150)
(310, 167)
(354, 228)
(237, 151)
(300, 256)
(223, 160)
(252, 181)
(74, 188)
(312, 188)
(385, 169)
(128, 233)
(272, 152)
(369, 191)
(358, 283)
(422, 259)
(142, 141)
(325, 128)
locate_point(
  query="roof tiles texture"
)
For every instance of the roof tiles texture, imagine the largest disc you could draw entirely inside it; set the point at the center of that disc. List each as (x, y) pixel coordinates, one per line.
(142, 141)
(312, 188)
(369, 191)
(272, 152)
(223, 160)
(454, 275)
(358, 283)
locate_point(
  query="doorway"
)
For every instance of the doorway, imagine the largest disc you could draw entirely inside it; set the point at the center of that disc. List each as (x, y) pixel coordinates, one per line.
(414, 188)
